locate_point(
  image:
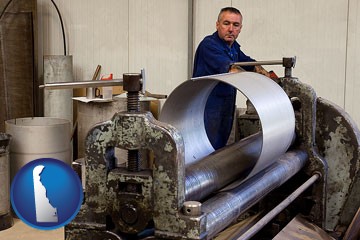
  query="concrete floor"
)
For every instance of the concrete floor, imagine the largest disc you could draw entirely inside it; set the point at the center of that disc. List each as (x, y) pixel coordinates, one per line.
(21, 231)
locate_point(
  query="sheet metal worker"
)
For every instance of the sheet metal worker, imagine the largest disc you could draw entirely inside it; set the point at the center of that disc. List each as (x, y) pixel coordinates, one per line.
(214, 55)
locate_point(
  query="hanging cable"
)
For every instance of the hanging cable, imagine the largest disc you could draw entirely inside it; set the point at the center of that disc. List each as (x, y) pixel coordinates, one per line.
(62, 26)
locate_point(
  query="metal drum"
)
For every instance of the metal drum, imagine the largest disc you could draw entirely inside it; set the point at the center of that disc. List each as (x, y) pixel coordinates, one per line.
(38, 137)
(5, 216)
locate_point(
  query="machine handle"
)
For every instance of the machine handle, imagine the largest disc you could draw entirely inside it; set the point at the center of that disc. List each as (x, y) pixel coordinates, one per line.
(82, 84)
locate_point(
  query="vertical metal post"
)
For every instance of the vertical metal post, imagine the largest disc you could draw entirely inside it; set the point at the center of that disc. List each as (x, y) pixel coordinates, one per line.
(289, 64)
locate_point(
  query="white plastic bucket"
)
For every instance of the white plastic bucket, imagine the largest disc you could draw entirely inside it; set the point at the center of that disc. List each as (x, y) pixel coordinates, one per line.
(38, 137)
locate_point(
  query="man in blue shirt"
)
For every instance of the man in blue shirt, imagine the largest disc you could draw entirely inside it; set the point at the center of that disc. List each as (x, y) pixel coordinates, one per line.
(214, 55)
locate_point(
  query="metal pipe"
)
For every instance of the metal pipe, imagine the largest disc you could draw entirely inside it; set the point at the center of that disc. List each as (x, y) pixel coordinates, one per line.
(222, 167)
(58, 104)
(226, 206)
(271, 62)
(274, 212)
(82, 84)
(287, 62)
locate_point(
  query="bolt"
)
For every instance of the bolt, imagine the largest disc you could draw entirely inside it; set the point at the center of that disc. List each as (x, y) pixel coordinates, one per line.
(129, 214)
(192, 208)
(133, 85)
(133, 161)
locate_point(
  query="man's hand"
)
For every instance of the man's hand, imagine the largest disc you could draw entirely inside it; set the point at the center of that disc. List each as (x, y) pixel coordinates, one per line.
(261, 70)
(258, 69)
(236, 69)
(271, 74)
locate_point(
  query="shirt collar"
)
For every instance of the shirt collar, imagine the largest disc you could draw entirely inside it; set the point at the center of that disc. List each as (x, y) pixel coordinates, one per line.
(216, 36)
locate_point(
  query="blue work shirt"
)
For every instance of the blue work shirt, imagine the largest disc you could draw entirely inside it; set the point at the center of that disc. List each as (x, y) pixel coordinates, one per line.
(214, 56)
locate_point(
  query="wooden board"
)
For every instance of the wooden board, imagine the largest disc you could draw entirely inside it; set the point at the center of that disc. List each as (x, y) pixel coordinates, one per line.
(301, 229)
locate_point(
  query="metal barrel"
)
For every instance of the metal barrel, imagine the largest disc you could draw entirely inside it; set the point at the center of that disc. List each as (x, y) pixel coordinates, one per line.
(38, 137)
(227, 205)
(5, 216)
(222, 167)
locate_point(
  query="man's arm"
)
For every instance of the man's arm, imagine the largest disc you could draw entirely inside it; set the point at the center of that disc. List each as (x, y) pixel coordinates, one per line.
(210, 59)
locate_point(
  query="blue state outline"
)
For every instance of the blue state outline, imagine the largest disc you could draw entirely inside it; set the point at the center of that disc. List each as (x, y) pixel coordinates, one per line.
(73, 174)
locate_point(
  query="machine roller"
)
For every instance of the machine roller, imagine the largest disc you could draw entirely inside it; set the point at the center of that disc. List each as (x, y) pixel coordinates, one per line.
(303, 152)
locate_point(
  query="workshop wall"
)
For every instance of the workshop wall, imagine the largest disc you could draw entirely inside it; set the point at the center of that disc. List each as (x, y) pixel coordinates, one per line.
(352, 86)
(323, 35)
(127, 35)
(122, 36)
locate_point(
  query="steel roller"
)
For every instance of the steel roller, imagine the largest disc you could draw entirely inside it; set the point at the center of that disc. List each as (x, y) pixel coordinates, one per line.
(211, 174)
(227, 206)
(184, 109)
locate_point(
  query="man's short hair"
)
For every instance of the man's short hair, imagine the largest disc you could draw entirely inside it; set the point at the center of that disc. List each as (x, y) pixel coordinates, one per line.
(229, 9)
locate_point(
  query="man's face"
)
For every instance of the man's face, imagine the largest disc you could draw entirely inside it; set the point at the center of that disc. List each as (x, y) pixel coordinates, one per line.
(229, 26)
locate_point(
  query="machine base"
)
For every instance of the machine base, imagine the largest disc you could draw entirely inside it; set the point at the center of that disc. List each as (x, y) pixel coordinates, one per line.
(6, 221)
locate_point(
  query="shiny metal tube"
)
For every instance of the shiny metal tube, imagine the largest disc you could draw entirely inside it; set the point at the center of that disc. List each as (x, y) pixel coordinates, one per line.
(271, 62)
(222, 167)
(82, 84)
(226, 206)
(58, 104)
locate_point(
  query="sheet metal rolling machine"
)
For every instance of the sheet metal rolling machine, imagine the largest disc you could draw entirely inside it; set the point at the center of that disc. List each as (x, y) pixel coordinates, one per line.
(298, 156)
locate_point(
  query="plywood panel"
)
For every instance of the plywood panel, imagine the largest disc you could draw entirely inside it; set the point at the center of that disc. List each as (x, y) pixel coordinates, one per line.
(158, 42)
(352, 99)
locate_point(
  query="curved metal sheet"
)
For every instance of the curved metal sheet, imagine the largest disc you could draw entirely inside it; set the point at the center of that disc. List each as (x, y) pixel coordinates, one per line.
(184, 109)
